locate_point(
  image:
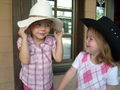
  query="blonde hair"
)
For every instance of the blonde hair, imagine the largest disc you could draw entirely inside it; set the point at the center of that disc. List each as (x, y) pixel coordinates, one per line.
(105, 52)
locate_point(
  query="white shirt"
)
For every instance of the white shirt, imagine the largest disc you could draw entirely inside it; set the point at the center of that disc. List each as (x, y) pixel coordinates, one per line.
(94, 76)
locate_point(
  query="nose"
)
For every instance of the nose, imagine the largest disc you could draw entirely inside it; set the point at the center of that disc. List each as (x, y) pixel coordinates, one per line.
(43, 27)
(87, 41)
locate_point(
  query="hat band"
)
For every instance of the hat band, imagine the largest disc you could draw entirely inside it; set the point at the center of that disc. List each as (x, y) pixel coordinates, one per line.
(38, 16)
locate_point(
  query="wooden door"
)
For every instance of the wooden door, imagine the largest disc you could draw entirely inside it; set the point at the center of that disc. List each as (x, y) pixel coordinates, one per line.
(20, 11)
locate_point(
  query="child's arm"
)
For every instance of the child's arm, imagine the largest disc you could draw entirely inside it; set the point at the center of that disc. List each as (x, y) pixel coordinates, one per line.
(23, 50)
(112, 78)
(58, 53)
(68, 76)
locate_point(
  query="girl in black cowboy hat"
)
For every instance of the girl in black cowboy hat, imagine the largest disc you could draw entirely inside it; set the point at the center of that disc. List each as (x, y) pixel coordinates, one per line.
(96, 67)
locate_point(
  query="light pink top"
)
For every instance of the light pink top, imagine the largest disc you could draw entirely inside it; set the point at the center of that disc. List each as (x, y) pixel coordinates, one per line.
(94, 76)
(38, 74)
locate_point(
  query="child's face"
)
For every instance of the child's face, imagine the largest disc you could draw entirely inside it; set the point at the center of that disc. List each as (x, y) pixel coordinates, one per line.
(91, 44)
(41, 29)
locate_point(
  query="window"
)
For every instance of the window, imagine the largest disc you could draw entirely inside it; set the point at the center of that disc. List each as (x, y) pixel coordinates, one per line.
(100, 9)
(62, 9)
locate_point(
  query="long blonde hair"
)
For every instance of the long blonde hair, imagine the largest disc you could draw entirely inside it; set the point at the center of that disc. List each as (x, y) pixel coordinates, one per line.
(105, 52)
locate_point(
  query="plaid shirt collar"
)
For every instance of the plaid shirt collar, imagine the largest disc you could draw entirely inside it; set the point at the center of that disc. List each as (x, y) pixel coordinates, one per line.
(46, 41)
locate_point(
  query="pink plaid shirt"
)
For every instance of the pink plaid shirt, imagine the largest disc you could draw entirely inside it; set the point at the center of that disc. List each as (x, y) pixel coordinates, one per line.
(38, 74)
(91, 76)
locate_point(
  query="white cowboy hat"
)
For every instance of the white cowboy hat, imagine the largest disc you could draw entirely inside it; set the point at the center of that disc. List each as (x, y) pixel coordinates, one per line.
(40, 11)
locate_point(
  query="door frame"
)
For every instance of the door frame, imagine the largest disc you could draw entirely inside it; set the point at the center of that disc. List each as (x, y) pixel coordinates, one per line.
(19, 13)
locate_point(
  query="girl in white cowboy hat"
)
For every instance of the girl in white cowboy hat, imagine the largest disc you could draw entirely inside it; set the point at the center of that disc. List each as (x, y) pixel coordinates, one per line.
(96, 67)
(36, 49)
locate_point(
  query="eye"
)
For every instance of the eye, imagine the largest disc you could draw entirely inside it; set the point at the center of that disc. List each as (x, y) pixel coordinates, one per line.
(47, 24)
(38, 24)
(91, 38)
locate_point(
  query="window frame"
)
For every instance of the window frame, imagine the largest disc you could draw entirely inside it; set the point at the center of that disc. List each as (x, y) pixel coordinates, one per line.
(66, 35)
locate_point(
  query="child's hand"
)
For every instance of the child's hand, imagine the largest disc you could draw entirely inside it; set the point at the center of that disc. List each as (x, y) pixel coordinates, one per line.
(58, 34)
(22, 33)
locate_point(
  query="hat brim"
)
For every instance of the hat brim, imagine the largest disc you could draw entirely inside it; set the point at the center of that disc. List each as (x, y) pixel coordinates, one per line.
(57, 23)
(92, 23)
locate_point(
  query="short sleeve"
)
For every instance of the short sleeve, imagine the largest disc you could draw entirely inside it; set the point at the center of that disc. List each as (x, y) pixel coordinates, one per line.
(76, 63)
(112, 78)
(53, 44)
(19, 42)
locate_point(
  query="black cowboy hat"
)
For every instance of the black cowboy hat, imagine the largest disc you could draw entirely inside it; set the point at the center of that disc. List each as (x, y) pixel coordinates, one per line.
(110, 32)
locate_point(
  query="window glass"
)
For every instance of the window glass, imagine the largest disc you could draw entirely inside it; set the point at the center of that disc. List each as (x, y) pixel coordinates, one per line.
(100, 9)
(67, 20)
(66, 4)
(66, 17)
(64, 14)
(67, 26)
(67, 48)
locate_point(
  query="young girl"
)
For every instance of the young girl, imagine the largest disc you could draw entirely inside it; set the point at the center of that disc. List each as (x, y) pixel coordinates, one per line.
(36, 49)
(96, 66)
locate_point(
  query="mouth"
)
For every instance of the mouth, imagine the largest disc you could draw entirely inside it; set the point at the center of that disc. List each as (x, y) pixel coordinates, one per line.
(87, 46)
(42, 34)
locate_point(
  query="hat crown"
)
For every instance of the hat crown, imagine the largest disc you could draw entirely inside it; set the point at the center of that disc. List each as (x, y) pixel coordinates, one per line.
(41, 8)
